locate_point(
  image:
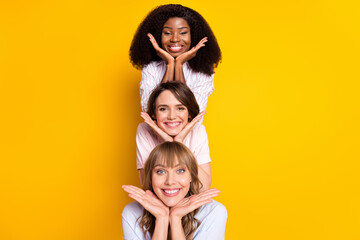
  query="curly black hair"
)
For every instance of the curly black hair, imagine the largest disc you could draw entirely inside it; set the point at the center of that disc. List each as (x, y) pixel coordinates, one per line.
(142, 52)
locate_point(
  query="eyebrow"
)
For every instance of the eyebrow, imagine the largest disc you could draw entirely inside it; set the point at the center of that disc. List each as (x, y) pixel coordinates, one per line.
(161, 165)
(165, 105)
(172, 28)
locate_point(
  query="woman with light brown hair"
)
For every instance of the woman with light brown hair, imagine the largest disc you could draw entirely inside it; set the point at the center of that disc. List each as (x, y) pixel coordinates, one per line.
(170, 206)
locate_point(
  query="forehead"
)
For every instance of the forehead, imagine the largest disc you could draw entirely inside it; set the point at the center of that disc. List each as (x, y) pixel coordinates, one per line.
(176, 22)
(167, 98)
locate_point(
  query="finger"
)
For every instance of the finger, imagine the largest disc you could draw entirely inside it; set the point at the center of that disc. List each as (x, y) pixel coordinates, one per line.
(201, 43)
(209, 191)
(199, 116)
(134, 190)
(204, 40)
(199, 204)
(206, 194)
(153, 41)
(196, 119)
(150, 193)
(146, 117)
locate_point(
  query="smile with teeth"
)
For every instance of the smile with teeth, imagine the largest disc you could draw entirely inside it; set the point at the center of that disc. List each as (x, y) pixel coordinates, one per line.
(171, 192)
(172, 124)
(175, 48)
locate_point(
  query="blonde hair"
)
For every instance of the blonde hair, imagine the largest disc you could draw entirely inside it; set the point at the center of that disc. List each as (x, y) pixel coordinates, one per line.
(169, 154)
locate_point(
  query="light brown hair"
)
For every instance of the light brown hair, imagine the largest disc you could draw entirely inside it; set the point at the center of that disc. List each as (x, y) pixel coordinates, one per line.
(169, 154)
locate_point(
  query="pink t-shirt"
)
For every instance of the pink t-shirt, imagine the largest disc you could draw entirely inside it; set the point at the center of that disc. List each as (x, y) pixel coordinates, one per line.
(146, 140)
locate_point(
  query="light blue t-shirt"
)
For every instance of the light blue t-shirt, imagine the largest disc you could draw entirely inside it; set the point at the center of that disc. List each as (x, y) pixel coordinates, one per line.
(213, 218)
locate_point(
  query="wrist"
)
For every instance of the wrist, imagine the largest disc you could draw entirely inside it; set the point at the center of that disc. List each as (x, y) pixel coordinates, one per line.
(178, 139)
(178, 63)
(174, 220)
(163, 215)
(170, 63)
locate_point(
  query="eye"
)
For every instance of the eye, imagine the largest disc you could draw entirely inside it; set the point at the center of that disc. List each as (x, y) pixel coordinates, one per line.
(181, 108)
(183, 33)
(160, 171)
(166, 33)
(162, 109)
(181, 170)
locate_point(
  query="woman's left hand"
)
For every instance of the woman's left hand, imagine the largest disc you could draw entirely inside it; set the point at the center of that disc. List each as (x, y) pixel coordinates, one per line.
(193, 202)
(186, 56)
(181, 136)
(148, 120)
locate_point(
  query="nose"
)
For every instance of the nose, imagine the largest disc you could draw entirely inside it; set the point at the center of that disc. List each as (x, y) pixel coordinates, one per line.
(171, 115)
(170, 178)
(175, 37)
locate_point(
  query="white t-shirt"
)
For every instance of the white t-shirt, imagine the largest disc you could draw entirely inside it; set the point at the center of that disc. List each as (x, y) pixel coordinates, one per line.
(200, 84)
(146, 140)
(213, 218)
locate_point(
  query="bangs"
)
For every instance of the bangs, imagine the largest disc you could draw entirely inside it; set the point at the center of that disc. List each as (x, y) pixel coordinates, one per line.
(170, 160)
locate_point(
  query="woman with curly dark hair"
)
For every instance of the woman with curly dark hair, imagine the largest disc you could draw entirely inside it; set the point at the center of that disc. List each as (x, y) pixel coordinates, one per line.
(170, 205)
(174, 42)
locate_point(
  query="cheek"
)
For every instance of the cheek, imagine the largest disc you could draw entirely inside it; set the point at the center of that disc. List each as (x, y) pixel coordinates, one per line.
(156, 181)
(160, 116)
(185, 182)
(163, 41)
(186, 117)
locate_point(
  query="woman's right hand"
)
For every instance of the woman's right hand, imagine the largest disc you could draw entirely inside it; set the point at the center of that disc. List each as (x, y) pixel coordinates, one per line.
(148, 120)
(148, 200)
(161, 52)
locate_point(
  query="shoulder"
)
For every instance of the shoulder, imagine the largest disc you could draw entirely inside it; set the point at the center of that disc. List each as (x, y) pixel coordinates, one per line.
(213, 217)
(214, 209)
(198, 131)
(153, 65)
(145, 136)
(131, 217)
(142, 127)
(145, 131)
(202, 77)
(132, 211)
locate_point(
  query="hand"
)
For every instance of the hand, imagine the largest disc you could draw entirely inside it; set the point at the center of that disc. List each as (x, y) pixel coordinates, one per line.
(181, 136)
(155, 128)
(186, 56)
(160, 52)
(193, 202)
(148, 200)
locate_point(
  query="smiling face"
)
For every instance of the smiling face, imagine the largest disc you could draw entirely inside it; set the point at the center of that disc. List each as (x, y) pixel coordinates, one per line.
(171, 184)
(171, 115)
(176, 37)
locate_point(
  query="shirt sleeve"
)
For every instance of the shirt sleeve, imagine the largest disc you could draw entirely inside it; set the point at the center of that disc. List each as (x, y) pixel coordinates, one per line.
(145, 143)
(151, 76)
(213, 222)
(200, 145)
(130, 222)
(202, 89)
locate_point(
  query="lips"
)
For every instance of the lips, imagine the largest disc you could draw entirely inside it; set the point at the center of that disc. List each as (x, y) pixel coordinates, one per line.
(172, 124)
(171, 192)
(175, 48)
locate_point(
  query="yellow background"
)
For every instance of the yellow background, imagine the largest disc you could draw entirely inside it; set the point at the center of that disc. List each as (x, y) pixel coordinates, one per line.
(283, 122)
